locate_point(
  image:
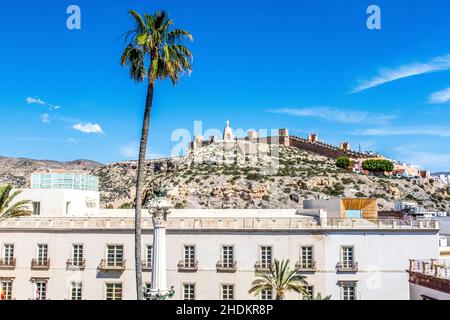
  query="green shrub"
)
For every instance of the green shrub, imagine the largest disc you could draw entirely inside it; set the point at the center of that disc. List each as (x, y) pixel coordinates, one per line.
(126, 206)
(378, 165)
(343, 163)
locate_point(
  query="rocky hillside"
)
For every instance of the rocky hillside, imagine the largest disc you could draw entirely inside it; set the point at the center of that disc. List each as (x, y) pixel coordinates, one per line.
(18, 171)
(205, 182)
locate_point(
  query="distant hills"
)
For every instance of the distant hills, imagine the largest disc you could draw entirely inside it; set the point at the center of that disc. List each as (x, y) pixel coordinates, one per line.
(208, 184)
(441, 173)
(17, 171)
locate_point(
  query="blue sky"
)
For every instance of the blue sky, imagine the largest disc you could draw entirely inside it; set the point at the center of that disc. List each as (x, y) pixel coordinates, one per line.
(310, 66)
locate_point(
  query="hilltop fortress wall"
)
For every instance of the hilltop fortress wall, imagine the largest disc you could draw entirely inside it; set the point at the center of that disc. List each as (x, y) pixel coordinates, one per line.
(312, 144)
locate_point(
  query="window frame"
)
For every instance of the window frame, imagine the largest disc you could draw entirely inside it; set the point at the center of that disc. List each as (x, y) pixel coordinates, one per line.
(78, 286)
(222, 291)
(77, 261)
(186, 262)
(266, 295)
(116, 262)
(7, 285)
(343, 259)
(227, 263)
(194, 293)
(42, 257)
(36, 206)
(265, 264)
(8, 259)
(305, 263)
(114, 290)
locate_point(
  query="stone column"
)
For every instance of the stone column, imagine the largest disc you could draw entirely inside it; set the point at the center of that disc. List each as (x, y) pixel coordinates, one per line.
(159, 209)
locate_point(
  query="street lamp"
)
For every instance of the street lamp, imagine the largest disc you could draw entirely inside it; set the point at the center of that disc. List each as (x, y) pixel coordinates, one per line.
(159, 209)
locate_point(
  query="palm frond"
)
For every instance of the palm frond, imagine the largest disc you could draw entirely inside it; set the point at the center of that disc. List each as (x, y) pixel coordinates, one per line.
(18, 209)
(153, 40)
(280, 280)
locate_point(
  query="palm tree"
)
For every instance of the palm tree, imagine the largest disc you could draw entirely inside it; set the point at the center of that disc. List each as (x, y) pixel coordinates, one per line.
(320, 297)
(9, 210)
(155, 44)
(279, 280)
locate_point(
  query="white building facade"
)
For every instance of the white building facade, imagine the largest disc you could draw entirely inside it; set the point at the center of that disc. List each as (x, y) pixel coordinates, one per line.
(209, 258)
(87, 253)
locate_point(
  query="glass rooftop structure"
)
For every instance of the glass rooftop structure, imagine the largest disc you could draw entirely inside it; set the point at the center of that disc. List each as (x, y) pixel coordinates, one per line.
(72, 181)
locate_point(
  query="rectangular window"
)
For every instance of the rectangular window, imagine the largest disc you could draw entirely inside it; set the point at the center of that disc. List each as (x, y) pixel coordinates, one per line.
(115, 256)
(42, 254)
(149, 255)
(189, 292)
(347, 257)
(8, 253)
(309, 293)
(227, 256)
(68, 206)
(307, 257)
(266, 295)
(113, 291)
(36, 208)
(41, 290)
(189, 256)
(76, 291)
(349, 292)
(266, 257)
(77, 254)
(6, 288)
(227, 292)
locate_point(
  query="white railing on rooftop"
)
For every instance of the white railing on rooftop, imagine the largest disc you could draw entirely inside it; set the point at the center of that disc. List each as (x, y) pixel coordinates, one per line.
(436, 268)
(218, 223)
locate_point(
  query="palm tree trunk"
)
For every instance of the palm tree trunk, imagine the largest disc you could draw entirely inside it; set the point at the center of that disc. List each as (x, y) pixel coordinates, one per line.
(139, 185)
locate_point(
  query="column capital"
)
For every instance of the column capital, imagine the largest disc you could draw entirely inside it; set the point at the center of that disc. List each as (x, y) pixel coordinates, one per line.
(159, 209)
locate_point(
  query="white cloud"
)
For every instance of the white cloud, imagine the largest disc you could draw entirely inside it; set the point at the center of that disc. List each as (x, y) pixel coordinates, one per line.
(88, 128)
(441, 63)
(337, 115)
(440, 131)
(34, 100)
(440, 97)
(45, 118)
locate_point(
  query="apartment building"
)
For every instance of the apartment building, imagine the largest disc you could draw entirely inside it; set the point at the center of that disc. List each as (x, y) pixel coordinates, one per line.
(340, 246)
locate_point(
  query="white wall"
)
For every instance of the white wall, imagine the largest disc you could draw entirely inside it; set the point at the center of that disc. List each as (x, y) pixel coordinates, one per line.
(53, 202)
(387, 253)
(417, 291)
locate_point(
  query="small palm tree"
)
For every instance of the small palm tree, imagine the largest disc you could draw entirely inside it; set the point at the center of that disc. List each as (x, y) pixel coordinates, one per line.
(155, 52)
(8, 209)
(320, 297)
(280, 280)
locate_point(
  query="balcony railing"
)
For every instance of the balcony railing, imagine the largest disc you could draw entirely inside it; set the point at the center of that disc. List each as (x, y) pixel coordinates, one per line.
(7, 264)
(432, 267)
(146, 265)
(40, 265)
(273, 224)
(188, 266)
(226, 266)
(349, 267)
(306, 266)
(118, 266)
(76, 264)
(263, 267)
